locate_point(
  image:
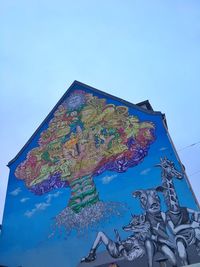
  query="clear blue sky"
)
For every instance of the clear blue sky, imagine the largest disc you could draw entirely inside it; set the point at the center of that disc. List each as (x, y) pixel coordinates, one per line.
(136, 50)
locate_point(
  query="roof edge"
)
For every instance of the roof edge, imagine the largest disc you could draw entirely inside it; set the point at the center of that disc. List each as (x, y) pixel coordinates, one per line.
(137, 106)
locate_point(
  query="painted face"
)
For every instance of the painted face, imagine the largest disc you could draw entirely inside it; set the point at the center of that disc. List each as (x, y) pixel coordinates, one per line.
(149, 200)
(169, 168)
(137, 222)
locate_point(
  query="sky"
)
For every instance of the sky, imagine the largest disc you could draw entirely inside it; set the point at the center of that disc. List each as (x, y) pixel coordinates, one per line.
(135, 50)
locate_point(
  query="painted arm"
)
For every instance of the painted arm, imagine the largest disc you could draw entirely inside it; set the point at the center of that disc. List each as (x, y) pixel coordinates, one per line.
(126, 255)
(195, 213)
(182, 226)
(164, 216)
(132, 254)
(168, 241)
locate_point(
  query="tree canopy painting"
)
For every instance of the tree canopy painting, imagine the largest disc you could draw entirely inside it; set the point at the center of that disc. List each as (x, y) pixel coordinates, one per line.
(85, 137)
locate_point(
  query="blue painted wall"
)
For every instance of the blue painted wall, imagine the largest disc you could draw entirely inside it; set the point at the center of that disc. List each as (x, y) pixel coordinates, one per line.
(36, 225)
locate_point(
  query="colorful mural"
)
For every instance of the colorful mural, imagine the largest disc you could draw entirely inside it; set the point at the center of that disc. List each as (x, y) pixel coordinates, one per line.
(99, 184)
(85, 137)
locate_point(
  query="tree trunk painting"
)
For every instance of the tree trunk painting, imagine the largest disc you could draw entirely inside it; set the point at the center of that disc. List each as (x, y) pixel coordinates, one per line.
(83, 193)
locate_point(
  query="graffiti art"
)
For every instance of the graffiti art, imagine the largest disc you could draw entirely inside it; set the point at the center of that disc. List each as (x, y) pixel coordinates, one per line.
(85, 138)
(99, 184)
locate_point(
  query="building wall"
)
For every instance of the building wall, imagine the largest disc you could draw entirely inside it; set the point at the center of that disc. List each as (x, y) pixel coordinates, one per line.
(99, 173)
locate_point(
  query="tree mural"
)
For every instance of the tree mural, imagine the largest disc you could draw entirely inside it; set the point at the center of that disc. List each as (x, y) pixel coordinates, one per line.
(85, 137)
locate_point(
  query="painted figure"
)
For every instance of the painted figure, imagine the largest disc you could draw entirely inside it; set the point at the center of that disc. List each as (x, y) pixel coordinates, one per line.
(159, 239)
(140, 227)
(130, 248)
(183, 222)
(148, 233)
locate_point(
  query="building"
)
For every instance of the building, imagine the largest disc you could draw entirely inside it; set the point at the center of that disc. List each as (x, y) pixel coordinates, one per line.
(99, 183)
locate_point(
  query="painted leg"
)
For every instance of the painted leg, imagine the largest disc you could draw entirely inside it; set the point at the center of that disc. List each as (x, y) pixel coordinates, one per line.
(182, 253)
(170, 255)
(100, 238)
(150, 252)
(197, 245)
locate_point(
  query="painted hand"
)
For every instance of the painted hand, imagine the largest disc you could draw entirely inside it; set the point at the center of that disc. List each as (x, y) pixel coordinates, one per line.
(195, 224)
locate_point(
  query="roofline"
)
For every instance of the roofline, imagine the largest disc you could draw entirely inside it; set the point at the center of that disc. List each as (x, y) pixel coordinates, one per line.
(137, 106)
(145, 103)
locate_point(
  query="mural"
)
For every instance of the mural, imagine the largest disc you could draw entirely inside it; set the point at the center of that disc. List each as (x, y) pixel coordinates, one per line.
(99, 185)
(86, 137)
(150, 228)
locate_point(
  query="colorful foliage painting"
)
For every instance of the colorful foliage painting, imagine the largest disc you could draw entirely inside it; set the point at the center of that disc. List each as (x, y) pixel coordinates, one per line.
(85, 137)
